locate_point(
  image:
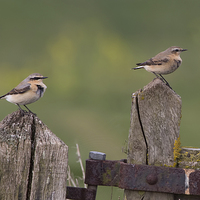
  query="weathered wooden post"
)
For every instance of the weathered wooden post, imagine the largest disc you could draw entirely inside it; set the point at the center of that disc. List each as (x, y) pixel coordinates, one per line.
(33, 161)
(158, 167)
(154, 129)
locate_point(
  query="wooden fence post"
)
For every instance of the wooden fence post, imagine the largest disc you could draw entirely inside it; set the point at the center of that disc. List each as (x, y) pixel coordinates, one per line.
(33, 161)
(155, 122)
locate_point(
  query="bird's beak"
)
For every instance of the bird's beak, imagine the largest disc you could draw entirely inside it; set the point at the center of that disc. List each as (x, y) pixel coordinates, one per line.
(184, 50)
(44, 77)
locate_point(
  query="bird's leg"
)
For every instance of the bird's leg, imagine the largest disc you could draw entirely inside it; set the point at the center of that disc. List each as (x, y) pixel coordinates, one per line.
(21, 110)
(29, 110)
(158, 77)
(165, 81)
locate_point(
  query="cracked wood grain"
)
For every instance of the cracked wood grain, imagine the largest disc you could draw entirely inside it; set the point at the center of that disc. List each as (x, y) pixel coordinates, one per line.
(33, 160)
(154, 127)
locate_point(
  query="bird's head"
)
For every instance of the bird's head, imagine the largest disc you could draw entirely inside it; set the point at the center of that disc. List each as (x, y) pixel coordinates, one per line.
(36, 77)
(176, 50)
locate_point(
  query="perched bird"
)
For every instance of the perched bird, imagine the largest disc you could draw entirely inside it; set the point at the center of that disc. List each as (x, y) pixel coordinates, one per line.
(165, 62)
(28, 91)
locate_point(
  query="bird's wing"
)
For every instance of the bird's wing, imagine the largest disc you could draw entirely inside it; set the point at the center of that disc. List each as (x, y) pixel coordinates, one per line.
(17, 91)
(23, 85)
(153, 61)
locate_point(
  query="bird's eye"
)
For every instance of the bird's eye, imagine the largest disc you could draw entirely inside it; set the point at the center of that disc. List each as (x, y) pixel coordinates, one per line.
(175, 50)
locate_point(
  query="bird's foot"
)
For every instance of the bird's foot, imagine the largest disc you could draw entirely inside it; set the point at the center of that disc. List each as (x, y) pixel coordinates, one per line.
(169, 85)
(32, 113)
(164, 81)
(23, 112)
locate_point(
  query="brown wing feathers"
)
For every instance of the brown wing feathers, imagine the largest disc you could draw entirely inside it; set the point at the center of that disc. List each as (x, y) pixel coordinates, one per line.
(16, 91)
(153, 62)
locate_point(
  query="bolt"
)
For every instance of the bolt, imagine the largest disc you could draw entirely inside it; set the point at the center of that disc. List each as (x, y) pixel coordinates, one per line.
(95, 155)
(152, 179)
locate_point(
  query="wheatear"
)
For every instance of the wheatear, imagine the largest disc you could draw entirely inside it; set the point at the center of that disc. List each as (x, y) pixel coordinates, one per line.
(165, 62)
(28, 91)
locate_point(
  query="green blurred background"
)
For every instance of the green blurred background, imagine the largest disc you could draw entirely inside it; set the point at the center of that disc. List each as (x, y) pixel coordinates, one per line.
(87, 48)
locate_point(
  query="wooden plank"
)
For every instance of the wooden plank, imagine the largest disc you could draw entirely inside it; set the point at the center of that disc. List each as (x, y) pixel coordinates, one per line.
(50, 164)
(33, 160)
(159, 115)
(136, 141)
(15, 156)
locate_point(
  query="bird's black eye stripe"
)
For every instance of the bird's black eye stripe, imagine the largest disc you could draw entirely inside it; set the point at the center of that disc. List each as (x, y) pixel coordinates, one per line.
(35, 78)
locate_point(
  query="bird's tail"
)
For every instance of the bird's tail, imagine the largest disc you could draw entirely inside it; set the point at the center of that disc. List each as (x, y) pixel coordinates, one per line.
(2, 97)
(139, 67)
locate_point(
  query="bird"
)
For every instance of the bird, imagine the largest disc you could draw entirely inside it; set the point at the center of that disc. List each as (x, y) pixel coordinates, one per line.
(28, 91)
(163, 63)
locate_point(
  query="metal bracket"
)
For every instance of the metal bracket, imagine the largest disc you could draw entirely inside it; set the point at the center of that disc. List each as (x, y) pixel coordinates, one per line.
(134, 177)
(80, 193)
(143, 177)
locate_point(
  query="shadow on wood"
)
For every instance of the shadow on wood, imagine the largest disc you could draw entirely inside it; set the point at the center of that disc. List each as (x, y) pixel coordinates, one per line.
(33, 160)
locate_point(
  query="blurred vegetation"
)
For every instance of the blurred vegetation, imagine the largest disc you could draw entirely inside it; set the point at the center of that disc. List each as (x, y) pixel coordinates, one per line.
(87, 48)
